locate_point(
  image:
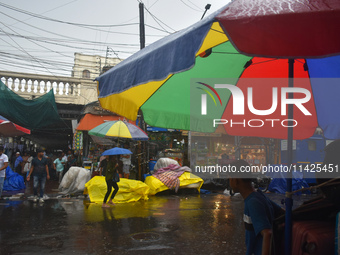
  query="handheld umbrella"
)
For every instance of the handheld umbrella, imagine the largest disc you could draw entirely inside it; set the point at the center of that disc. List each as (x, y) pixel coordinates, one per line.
(245, 39)
(116, 151)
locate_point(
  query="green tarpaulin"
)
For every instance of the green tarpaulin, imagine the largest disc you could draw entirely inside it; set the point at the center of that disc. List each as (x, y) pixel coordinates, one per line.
(32, 114)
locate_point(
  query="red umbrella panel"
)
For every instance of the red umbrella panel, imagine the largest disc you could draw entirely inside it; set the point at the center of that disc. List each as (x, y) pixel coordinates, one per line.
(283, 28)
(8, 129)
(266, 103)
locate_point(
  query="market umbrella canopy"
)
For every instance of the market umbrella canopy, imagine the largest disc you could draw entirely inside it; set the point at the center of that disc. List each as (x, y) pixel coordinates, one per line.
(164, 79)
(283, 28)
(8, 128)
(120, 129)
(157, 79)
(116, 151)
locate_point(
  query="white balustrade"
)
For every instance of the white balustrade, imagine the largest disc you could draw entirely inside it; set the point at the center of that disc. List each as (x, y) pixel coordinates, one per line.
(66, 89)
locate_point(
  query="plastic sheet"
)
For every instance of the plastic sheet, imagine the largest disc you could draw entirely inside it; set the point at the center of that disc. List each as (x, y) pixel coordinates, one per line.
(74, 180)
(164, 162)
(187, 180)
(129, 190)
(279, 185)
(13, 181)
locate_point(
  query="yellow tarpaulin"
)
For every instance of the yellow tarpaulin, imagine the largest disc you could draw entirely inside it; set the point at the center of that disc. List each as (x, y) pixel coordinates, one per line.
(187, 180)
(129, 190)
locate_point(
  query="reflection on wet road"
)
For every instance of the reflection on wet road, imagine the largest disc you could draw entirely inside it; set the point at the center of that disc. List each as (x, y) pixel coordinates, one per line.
(193, 224)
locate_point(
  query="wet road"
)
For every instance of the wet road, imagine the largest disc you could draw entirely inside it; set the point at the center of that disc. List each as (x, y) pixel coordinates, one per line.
(183, 224)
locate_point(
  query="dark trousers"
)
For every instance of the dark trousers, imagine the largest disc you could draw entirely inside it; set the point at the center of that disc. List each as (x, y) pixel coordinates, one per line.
(39, 181)
(111, 184)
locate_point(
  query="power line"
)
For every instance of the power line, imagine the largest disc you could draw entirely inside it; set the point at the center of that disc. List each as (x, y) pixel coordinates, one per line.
(51, 63)
(189, 6)
(153, 4)
(60, 21)
(22, 49)
(86, 64)
(31, 66)
(40, 62)
(158, 21)
(199, 8)
(57, 41)
(53, 9)
(94, 29)
(156, 28)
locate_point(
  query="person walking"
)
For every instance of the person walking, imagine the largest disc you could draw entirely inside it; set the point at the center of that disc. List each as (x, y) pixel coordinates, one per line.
(111, 178)
(40, 172)
(3, 166)
(126, 159)
(27, 166)
(58, 165)
(18, 164)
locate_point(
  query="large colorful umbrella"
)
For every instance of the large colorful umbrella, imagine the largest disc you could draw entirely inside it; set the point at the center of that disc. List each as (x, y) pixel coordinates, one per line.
(154, 80)
(8, 128)
(120, 129)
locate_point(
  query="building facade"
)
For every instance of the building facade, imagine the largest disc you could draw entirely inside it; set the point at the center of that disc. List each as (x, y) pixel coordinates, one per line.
(91, 66)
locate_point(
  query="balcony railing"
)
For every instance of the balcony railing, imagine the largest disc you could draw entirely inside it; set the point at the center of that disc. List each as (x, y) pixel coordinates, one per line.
(66, 89)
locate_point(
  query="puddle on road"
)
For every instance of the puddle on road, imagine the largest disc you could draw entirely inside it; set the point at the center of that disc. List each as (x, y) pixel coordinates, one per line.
(189, 224)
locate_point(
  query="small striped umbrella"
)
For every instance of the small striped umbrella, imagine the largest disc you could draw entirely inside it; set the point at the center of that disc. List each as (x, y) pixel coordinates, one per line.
(120, 129)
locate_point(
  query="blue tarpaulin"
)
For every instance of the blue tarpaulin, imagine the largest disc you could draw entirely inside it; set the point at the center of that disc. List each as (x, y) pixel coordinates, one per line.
(279, 185)
(279, 182)
(13, 181)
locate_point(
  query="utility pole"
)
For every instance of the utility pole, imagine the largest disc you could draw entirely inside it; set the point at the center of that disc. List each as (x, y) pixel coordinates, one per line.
(107, 54)
(141, 25)
(141, 147)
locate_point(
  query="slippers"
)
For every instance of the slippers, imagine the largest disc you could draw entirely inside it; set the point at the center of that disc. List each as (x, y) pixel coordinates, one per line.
(105, 206)
(111, 203)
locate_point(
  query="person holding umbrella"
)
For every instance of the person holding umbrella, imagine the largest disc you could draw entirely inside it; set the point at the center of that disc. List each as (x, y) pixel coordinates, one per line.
(111, 178)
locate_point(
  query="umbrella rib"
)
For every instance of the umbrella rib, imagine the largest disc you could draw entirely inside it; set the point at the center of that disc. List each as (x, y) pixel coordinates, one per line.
(232, 53)
(216, 31)
(265, 61)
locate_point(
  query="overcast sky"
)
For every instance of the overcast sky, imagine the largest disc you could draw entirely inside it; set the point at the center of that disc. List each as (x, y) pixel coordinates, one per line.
(31, 43)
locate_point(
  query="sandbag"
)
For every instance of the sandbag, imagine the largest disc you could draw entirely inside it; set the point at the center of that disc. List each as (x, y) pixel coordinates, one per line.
(13, 181)
(74, 180)
(129, 190)
(187, 180)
